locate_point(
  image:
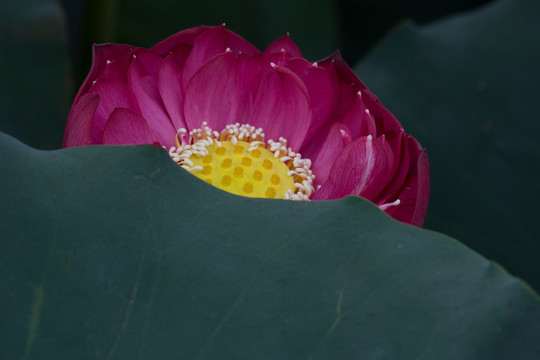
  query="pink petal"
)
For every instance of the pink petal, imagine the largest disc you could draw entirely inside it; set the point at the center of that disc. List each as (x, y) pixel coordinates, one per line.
(112, 94)
(79, 124)
(117, 69)
(361, 169)
(338, 138)
(422, 197)
(219, 92)
(415, 194)
(358, 119)
(184, 37)
(180, 54)
(100, 55)
(148, 101)
(400, 148)
(212, 42)
(282, 107)
(323, 90)
(383, 118)
(345, 73)
(266, 61)
(150, 62)
(126, 127)
(170, 89)
(283, 44)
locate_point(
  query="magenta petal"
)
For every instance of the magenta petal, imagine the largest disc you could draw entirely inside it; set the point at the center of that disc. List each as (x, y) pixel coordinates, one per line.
(345, 73)
(112, 94)
(116, 69)
(100, 55)
(338, 138)
(384, 118)
(79, 125)
(283, 44)
(212, 42)
(323, 90)
(144, 90)
(361, 169)
(266, 61)
(170, 89)
(358, 119)
(184, 37)
(150, 62)
(282, 107)
(219, 93)
(400, 148)
(126, 127)
(180, 54)
(422, 197)
(414, 194)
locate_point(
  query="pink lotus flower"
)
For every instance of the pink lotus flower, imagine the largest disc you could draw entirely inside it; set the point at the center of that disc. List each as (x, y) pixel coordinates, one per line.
(267, 124)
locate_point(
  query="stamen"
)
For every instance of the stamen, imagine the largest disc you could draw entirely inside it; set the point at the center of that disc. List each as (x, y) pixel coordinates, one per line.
(200, 151)
(387, 205)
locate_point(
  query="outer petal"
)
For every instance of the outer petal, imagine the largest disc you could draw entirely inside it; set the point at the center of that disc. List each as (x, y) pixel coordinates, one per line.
(323, 90)
(266, 61)
(79, 125)
(184, 37)
(282, 107)
(361, 169)
(212, 42)
(180, 54)
(171, 91)
(126, 127)
(400, 148)
(358, 118)
(338, 138)
(112, 93)
(150, 62)
(117, 69)
(100, 55)
(415, 193)
(384, 119)
(219, 93)
(283, 44)
(146, 96)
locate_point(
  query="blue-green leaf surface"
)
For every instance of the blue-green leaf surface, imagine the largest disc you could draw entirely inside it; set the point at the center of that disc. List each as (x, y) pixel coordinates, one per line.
(118, 253)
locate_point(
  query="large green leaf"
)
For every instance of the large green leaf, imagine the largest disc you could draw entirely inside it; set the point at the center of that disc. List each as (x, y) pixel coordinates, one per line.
(35, 79)
(468, 89)
(116, 252)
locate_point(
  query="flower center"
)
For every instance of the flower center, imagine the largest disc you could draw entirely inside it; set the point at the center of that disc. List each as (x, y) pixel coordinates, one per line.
(239, 161)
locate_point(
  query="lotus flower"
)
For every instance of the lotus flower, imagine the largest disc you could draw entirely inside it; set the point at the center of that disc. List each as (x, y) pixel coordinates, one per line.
(268, 124)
